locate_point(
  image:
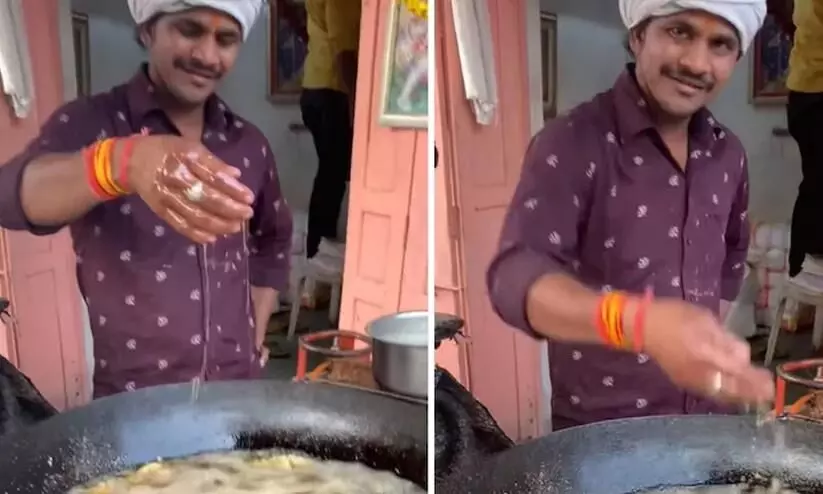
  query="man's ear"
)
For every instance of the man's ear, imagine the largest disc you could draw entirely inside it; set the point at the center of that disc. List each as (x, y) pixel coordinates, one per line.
(144, 35)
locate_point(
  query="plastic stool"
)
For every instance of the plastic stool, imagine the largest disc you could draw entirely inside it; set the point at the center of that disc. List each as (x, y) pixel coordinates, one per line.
(801, 294)
(312, 275)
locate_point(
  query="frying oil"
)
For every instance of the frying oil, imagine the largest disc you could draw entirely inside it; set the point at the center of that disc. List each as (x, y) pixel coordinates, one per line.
(204, 272)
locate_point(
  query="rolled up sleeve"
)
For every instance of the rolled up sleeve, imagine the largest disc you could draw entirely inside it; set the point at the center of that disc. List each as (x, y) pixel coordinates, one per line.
(540, 232)
(271, 233)
(68, 130)
(737, 236)
(343, 21)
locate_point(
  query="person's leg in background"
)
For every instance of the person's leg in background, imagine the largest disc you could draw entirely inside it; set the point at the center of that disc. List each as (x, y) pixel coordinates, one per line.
(805, 122)
(326, 115)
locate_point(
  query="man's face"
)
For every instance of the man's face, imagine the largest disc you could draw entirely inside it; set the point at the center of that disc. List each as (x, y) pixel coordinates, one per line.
(192, 50)
(684, 60)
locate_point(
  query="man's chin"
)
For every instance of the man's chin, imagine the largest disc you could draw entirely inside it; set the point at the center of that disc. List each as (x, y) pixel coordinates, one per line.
(191, 96)
(680, 109)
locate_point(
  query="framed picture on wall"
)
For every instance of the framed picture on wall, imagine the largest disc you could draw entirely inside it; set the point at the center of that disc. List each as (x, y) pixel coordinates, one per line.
(405, 95)
(82, 64)
(548, 51)
(770, 65)
(287, 53)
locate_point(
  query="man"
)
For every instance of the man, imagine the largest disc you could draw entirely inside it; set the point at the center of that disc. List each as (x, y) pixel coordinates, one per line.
(804, 20)
(327, 104)
(169, 270)
(640, 188)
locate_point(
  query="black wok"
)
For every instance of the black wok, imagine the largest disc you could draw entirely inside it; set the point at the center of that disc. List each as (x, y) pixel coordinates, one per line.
(625, 456)
(119, 432)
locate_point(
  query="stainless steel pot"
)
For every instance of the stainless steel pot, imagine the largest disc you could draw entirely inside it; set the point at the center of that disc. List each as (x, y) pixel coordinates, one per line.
(400, 357)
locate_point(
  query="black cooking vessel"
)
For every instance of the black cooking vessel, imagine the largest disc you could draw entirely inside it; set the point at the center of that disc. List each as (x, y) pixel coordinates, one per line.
(119, 432)
(625, 456)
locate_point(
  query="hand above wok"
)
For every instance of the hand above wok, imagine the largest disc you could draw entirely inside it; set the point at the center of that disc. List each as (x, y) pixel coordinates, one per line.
(701, 356)
(189, 188)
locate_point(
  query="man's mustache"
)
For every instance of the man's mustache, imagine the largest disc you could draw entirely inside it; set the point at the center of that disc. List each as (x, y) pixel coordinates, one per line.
(704, 83)
(195, 67)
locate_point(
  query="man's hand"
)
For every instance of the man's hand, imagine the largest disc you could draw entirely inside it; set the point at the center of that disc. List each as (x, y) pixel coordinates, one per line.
(700, 355)
(188, 187)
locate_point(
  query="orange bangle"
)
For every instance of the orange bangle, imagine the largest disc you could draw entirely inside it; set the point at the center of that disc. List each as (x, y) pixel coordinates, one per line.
(91, 176)
(609, 320)
(600, 320)
(618, 305)
(101, 167)
(106, 149)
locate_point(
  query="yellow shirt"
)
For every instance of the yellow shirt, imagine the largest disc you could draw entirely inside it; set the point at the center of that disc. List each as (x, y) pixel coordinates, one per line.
(333, 27)
(806, 62)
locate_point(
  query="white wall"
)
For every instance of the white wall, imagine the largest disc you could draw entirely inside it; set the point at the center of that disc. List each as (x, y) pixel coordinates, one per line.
(590, 56)
(115, 57)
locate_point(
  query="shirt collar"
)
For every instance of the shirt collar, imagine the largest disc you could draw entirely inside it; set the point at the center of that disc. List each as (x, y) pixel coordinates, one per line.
(142, 102)
(633, 118)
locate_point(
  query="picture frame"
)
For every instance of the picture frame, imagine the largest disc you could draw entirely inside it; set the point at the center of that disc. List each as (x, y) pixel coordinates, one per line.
(82, 62)
(286, 55)
(548, 51)
(770, 65)
(404, 95)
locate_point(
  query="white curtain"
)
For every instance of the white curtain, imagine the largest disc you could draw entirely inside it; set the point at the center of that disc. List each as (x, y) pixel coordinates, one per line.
(474, 44)
(15, 65)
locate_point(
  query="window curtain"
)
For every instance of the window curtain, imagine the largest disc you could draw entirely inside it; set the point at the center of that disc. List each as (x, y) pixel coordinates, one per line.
(15, 65)
(476, 49)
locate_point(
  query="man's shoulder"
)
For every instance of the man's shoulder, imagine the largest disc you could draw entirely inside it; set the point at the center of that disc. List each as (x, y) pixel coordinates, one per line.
(732, 141)
(729, 149)
(82, 120)
(587, 125)
(249, 132)
(97, 109)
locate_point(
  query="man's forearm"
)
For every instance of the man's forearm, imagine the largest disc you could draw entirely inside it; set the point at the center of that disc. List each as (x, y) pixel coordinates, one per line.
(55, 191)
(561, 308)
(265, 303)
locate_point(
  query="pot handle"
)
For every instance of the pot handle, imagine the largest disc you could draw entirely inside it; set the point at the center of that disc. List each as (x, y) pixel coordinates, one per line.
(446, 326)
(786, 373)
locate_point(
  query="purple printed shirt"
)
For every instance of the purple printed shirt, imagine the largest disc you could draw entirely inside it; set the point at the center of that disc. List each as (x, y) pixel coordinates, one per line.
(162, 309)
(602, 199)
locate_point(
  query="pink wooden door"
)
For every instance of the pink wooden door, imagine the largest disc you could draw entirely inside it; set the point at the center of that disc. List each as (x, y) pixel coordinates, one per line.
(48, 345)
(385, 268)
(448, 289)
(484, 166)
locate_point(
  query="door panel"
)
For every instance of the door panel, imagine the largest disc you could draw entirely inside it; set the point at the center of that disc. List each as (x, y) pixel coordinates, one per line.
(503, 363)
(386, 240)
(47, 345)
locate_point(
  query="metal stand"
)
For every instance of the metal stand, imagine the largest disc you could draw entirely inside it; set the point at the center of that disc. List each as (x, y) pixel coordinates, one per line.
(787, 373)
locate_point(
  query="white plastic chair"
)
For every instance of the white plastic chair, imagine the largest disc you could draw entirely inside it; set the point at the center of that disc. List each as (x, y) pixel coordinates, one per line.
(802, 294)
(310, 276)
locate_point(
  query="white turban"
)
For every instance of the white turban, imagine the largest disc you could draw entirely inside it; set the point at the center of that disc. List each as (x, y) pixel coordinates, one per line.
(244, 11)
(747, 16)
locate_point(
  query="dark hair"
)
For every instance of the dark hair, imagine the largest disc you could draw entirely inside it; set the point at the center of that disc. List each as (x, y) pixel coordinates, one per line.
(148, 25)
(638, 31)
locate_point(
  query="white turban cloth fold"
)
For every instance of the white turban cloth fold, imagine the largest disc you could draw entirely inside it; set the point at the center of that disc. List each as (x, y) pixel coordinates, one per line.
(747, 16)
(244, 11)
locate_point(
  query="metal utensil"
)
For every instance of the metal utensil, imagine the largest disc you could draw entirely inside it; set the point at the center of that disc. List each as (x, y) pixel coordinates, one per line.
(400, 357)
(123, 431)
